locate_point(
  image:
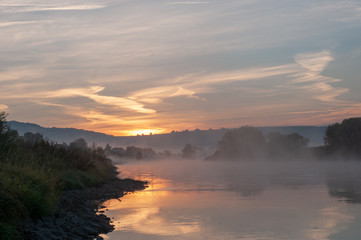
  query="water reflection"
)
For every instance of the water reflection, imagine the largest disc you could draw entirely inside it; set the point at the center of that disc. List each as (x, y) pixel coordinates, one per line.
(346, 187)
(196, 200)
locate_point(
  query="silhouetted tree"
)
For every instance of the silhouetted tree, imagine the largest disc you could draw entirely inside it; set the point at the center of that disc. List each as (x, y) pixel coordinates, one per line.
(108, 148)
(165, 154)
(120, 152)
(7, 138)
(33, 137)
(139, 155)
(79, 143)
(344, 138)
(242, 143)
(189, 151)
(286, 145)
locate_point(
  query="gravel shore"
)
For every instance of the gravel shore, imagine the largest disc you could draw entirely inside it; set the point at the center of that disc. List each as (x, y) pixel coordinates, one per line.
(78, 217)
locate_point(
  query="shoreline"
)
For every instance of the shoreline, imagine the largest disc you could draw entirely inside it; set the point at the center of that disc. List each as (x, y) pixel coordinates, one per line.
(79, 215)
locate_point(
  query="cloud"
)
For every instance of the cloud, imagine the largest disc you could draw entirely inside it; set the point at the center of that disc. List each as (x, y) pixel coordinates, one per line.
(314, 62)
(312, 80)
(325, 92)
(93, 94)
(188, 2)
(93, 117)
(14, 23)
(3, 107)
(20, 74)
(155, 95)
(191, 85)
(324, 115)
(338, 11)
(245, 74)
(303, 75)
(29, 8)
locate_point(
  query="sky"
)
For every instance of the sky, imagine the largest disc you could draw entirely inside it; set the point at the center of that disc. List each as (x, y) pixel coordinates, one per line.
(127, 67)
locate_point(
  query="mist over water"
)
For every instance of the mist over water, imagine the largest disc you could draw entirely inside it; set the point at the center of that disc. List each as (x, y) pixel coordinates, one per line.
(194, 199)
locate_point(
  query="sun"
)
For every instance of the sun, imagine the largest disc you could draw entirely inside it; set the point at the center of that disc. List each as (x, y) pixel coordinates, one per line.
(136, 132)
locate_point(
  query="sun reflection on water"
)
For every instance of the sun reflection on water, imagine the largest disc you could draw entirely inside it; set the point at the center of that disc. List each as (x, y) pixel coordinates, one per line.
(141, 211)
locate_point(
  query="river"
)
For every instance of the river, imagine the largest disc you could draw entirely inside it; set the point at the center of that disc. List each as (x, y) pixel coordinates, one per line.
(199, 200)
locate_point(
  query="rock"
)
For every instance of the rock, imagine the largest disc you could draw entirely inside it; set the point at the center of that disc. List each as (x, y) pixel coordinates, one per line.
(77, 218)
(90, 231)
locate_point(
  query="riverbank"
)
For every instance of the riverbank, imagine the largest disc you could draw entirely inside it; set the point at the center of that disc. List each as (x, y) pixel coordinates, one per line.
(79, 216)
(39, 178)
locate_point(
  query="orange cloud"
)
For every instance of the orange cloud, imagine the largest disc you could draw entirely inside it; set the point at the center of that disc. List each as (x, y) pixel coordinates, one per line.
(3, 107)
(93, 94)
(19, 73)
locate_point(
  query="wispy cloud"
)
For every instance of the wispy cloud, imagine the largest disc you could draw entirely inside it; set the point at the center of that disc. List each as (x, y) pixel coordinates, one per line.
(20, 73)
(155, 95)
(313, 80)
(93, 117)
(338, 11)
(314, 62)
(305, 74)
(93, 94)
(8, 24)
(192, 85)
(3, 107)
(24, 8)
(188, 2)
(325, 92)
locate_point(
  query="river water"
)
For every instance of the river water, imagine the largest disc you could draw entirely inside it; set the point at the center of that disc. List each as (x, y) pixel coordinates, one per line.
(200, 200)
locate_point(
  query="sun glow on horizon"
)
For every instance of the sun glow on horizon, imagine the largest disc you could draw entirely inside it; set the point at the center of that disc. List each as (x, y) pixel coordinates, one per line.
(136, 132)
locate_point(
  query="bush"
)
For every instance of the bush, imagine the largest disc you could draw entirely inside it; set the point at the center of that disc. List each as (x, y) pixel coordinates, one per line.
(27, 192)
(75, 179)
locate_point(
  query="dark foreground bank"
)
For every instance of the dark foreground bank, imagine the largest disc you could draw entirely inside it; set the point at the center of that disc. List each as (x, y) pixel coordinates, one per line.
(44, 182)
(78, 216)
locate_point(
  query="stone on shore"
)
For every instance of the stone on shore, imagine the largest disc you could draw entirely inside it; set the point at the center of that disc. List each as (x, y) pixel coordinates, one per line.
(78, 217)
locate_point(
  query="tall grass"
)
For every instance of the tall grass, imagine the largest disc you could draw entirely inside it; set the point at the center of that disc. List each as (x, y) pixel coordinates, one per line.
(34, 172)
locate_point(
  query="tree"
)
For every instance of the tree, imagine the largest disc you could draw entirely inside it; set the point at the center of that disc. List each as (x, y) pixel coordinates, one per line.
(344, 137)
(79, 143)
(286, 145)
(189, 151)
(242, 143)
(7, 138)
(33, 137)
(139, 156)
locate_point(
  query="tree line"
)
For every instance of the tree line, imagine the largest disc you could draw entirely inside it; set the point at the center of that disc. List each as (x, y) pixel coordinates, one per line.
(341, 141)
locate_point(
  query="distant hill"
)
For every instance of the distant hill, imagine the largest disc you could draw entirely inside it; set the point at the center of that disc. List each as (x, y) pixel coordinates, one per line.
(171, 141)
(60, 134)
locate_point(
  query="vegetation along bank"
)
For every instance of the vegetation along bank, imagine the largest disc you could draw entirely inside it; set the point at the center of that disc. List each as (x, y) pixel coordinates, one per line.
(42, 186)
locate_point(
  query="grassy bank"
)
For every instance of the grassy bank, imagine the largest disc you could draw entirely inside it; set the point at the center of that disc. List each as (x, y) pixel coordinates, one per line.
(34, 172)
